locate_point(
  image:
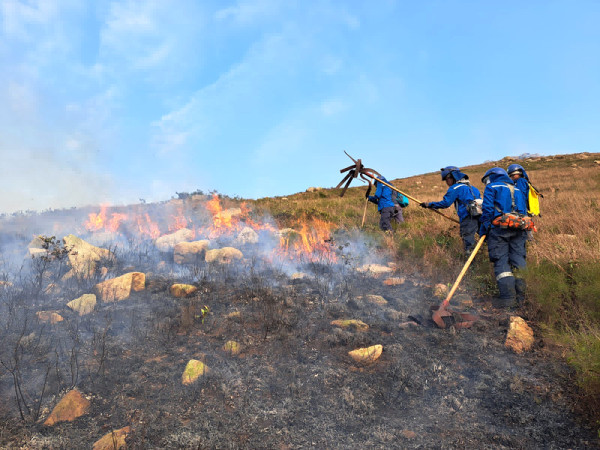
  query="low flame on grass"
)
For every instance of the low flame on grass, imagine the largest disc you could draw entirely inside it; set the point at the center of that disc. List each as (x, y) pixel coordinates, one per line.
(309, 241)
(147, 227)
(312, 242)
(178, 221)
(221, 219)
(99, 221)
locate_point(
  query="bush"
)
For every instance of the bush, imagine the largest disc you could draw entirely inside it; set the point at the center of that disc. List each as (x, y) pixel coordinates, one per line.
(548, 289)
(585, 359)
(586, 289)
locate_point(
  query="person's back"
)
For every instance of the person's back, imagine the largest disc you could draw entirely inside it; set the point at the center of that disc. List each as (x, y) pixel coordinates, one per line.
(506, 246)
(385, 204)
(383, 195)
(498, 199)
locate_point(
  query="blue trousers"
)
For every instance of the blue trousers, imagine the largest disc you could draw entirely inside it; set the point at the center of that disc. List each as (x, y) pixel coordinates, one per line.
(385, 220)
(468, 228)
(506, 248)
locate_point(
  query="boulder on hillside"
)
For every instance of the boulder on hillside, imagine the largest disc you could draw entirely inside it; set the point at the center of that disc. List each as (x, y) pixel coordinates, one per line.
(116, 289)
(394, 281)
(225, 255)
(376, 299)
(51, 317)
(35, 247)
(190, 252)
(180, 290)
(366, 355)
(115, 440)
(70, 407)
(84, 257)
(193, 370)
(246, 236)
(168, 242)
(375, 269)
(519, 337)
(84, 304)
(358, 325)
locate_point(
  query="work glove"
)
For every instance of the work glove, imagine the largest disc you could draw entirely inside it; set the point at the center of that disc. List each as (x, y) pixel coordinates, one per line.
(484, 229)
(424, 205)
(373, 199)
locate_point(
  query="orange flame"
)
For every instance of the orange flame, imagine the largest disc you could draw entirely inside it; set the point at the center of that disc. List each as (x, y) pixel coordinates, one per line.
(115, 222)
(178, 221)
(147, 227)
(98, 221)
(220, 218)
(310, 242)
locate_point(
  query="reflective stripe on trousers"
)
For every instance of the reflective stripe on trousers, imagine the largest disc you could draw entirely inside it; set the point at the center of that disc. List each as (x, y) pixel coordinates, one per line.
(504, 275)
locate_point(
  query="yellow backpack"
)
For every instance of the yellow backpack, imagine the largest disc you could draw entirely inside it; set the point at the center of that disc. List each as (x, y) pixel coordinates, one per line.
(533, 202)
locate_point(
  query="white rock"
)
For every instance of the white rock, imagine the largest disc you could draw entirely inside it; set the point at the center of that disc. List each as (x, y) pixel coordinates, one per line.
(375, 268)
(246, 236)
(168, 242)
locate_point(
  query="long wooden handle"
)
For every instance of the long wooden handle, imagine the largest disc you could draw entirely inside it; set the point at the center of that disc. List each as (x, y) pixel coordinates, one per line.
(462, 272)
(365, 213)
(411, 198)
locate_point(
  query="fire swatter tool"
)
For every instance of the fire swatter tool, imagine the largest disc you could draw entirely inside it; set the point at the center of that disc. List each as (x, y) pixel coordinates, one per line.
(357, 169)
(442, 315)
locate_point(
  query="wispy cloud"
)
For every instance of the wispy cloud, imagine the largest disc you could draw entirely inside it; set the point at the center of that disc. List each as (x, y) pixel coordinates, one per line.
(249, 12)
(18, 17)
(332, 107)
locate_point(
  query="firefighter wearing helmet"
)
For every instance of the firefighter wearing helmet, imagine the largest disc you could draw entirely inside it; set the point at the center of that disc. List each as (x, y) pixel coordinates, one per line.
(506, 246)
(461, 194)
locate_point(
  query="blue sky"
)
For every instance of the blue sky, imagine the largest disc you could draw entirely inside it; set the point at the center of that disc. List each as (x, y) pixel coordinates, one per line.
(116, 101)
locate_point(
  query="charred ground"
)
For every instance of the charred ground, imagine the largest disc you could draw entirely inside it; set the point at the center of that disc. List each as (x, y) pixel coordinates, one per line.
(293, 385)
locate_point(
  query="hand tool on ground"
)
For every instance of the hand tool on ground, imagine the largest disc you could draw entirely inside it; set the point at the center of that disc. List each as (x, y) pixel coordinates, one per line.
(442, 315)
(358, 169)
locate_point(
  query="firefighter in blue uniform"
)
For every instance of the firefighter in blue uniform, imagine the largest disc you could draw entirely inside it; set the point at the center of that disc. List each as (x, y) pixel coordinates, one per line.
(460, 193)
(506, 246)
(385, 205)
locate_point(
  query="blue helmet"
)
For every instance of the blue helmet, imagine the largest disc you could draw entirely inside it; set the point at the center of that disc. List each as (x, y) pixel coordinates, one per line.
(493, 171)
(515, 168)
(447, 171)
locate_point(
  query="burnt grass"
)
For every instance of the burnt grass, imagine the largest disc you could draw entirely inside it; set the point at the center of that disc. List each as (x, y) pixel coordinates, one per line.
(293, 385)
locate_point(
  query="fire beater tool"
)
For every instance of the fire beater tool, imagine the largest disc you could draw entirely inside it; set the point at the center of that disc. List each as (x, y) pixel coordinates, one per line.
(357, 169)
(442, 315)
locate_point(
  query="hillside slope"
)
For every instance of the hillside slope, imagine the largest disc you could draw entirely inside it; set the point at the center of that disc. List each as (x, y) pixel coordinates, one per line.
(274, 321)
(563, 259)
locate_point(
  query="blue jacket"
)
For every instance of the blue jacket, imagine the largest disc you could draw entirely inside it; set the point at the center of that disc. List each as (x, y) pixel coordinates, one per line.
(460, 194)
(497, 200)
(383, 195)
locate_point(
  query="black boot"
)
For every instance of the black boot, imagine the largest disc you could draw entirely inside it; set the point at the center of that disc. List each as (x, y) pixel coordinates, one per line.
(520, 288)
(508, 294)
